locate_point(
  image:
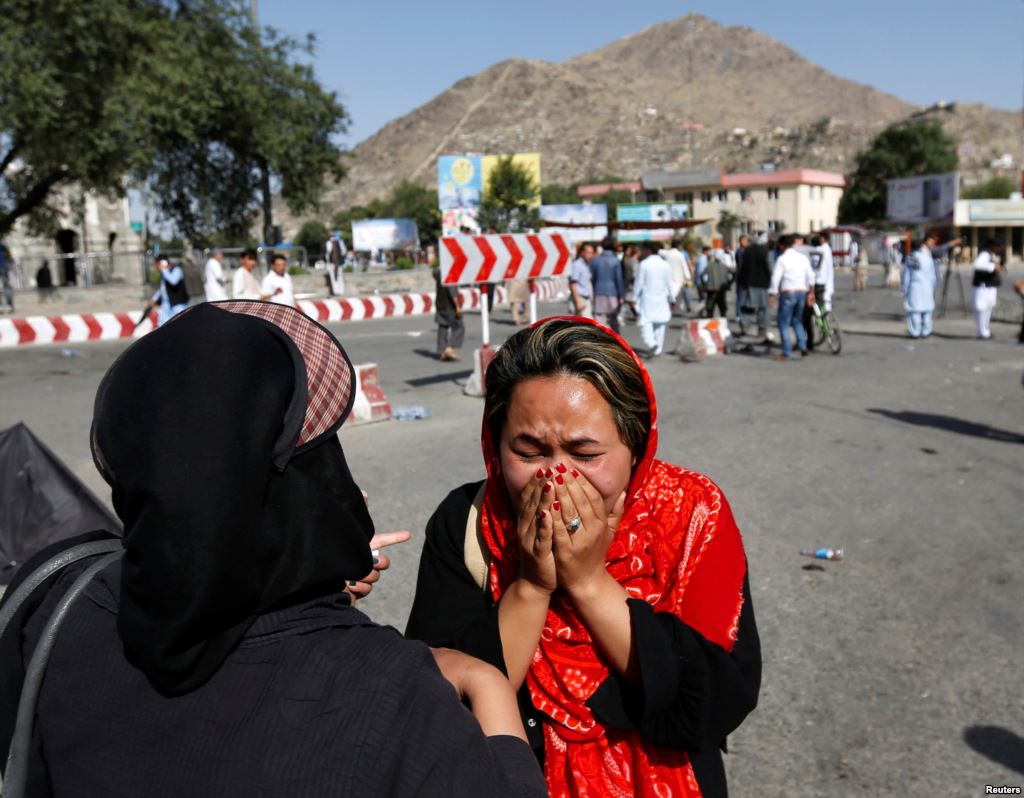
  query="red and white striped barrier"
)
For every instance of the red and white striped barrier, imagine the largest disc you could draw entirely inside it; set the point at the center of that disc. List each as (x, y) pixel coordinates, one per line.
(707, 336)
(370, 403)
(71, 328)
(494, 258)
(80, 327)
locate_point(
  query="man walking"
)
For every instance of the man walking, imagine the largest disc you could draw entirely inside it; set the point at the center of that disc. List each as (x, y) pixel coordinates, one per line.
(741, 288)
(824, 284)
(244, 285)
(278, 283)
(756, 274)
(581, 283)
(718, 277)
(920, 275)
(214, 282)
(677, 259)
(451, 329)
(653, 297)
(606, 270)
(792, 280)
(172, 296)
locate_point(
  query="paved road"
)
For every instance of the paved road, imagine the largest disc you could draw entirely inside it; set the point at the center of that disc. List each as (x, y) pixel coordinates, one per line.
(897, 668)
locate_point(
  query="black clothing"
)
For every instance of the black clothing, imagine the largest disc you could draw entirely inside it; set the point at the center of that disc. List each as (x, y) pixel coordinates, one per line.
(716, 300)
(693, 693)
(214, 532)
(177, 293)
(988, 279)
(754, 270)
(810, 323)
(316, 700)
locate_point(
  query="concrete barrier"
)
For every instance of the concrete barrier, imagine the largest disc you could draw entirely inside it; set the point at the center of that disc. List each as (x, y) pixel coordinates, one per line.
(370, 403)
(703, 337)
(476, 384)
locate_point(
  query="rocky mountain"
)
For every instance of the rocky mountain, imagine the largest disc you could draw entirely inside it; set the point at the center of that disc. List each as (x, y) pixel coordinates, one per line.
(686, 93)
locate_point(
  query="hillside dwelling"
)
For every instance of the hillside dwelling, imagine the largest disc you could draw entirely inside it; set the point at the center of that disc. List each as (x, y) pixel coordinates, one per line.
(790, 200)
(1001, 220)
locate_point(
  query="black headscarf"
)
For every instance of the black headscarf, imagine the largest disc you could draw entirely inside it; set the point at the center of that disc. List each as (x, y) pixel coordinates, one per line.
(195, 428)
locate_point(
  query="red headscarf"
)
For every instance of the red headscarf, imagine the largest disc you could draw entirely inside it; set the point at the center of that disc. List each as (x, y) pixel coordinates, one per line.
(677, 548)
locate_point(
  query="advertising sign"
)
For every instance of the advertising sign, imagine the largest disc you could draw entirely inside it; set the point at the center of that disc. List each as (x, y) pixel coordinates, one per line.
(995, 210)
(650, 212)
(369, 235)
(924, 199)
(530, 161)
(459, 181)
(454, 220)
(597, 215)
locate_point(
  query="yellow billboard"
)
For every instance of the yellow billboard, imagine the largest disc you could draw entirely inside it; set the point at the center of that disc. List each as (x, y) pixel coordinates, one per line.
(530, 161)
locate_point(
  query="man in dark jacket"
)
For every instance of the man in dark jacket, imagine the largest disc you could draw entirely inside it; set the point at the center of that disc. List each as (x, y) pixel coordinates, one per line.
(755, 274)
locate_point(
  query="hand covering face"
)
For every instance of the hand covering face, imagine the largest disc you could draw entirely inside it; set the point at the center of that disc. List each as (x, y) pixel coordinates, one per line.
(217, 433)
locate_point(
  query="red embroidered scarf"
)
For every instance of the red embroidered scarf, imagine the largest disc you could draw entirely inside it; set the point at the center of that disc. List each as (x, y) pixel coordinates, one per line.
(677, 548)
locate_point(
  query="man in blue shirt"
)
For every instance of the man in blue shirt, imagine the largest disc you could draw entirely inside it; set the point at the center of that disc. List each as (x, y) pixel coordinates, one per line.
(171, 297)
(606, 270)
(581, 287)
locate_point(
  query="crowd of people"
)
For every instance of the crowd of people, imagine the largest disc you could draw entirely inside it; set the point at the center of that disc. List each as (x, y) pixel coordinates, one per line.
(649, 282)
(173, 295)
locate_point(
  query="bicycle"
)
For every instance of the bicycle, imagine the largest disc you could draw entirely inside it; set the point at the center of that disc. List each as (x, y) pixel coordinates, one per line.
(826, 329)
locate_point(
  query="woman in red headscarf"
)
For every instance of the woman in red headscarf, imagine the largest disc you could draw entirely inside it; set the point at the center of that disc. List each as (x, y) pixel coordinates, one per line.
(610, 586)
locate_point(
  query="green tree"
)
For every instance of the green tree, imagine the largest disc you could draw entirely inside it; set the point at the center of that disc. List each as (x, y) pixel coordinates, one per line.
(313, 236)
(181, 97)
(559, 195)
(507, 205)
(903, 150)
(998, 187)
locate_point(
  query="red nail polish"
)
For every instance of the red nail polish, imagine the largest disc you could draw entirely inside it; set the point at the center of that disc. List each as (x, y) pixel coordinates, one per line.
(540, 473)
(548, 473)
(547, 487)
(543, 515)
(561, 468)
(556, 506)
(559, 480)
(575, 473)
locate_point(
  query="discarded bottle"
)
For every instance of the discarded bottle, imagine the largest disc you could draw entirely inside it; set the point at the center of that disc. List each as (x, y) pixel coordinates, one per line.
(823, 554)
(413, 413)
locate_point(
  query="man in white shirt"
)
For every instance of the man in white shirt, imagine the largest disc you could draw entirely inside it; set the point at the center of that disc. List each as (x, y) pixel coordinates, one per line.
(654, 299)
(820, 255)
(793, 285)
(676, 259)
(278, 283)
(244, 285)
(214, 282)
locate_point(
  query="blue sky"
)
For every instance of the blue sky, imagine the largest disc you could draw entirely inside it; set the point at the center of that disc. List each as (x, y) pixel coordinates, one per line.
(386, 57)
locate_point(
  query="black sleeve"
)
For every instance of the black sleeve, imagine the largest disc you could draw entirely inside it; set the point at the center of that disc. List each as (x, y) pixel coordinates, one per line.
(692, 693)
(449, 608)
(441, 750)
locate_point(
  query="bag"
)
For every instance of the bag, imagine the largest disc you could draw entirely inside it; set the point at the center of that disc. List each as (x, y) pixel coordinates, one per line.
(15, 772)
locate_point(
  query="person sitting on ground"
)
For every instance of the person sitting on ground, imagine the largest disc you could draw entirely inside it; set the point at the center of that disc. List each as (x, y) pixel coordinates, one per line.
(612, 586)
(222, 655)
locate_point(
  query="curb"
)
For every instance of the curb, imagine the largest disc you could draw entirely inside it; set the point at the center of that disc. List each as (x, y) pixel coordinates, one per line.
(79, 327)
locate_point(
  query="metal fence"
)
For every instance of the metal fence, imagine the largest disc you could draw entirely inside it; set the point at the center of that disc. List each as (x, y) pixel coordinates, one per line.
(85, 269)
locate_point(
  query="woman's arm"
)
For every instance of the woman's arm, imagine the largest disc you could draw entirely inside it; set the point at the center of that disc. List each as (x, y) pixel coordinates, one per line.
(692, 693)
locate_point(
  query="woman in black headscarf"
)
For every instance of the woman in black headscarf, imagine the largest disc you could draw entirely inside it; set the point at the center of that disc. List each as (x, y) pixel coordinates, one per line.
(221, 655)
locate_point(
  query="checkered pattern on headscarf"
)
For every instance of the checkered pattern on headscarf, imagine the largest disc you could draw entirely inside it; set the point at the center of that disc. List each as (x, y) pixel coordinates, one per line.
(329, 377)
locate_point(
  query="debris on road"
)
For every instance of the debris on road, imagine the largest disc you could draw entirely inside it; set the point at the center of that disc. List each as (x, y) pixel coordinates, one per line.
(823, 554)
(412, 413)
